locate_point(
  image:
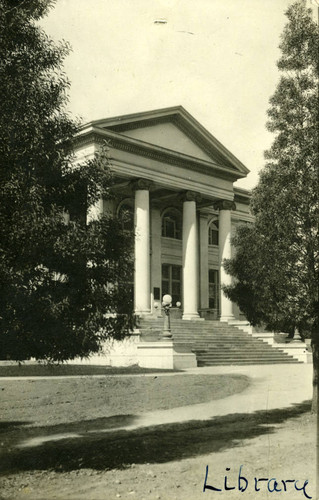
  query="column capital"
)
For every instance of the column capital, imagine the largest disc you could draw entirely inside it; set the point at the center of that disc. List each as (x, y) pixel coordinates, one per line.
(191, 196)
(141, 184)
(225, 205)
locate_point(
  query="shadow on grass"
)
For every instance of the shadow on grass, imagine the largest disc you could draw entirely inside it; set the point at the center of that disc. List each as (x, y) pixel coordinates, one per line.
(157, 444)
(7, 426)
(13, 434)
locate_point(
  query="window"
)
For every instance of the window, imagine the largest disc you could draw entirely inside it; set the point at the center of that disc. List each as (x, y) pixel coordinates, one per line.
(213, 233)
(172, 224)
(171, 282)
(213, 289)
(126, 213)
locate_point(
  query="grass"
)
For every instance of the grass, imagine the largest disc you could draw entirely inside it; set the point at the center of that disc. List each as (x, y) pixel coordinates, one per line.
(56, 370)
(50, 402)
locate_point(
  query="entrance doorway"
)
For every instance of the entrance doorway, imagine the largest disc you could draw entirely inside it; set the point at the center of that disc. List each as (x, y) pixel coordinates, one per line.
(213, 292)
(172, 282)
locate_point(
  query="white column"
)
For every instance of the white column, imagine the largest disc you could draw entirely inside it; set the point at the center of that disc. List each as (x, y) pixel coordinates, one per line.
(156, 271)
(190, 258)
(203, 260)
(142, 293)
(226, 305)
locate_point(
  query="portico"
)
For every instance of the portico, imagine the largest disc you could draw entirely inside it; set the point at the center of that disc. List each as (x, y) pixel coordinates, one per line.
(177, 181)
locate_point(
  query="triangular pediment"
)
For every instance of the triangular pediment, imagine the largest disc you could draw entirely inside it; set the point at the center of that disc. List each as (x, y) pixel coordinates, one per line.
(168, 135)
(173, 129)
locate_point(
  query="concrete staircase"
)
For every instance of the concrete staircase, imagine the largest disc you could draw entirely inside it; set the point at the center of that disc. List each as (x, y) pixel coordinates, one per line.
(215, 342)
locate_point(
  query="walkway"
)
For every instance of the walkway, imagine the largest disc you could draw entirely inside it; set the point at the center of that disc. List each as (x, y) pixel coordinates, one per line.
(272, 386)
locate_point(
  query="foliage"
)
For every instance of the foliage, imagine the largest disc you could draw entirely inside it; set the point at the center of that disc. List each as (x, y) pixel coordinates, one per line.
(276, 266)
(57, 279)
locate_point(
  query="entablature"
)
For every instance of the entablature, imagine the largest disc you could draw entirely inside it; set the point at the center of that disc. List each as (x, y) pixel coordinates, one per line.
(118, 142)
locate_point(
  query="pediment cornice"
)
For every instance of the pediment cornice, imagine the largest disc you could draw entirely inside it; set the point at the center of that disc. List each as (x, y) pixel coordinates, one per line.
(95, 135)
(185, 122)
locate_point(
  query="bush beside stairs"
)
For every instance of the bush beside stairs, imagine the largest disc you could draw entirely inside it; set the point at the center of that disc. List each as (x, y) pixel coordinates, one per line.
(215, 342)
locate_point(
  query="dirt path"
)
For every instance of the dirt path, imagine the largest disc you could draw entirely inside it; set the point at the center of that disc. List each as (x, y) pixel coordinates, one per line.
(177, 471)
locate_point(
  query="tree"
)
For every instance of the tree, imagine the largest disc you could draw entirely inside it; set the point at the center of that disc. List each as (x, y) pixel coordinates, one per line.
(276, 267)
(58, 280)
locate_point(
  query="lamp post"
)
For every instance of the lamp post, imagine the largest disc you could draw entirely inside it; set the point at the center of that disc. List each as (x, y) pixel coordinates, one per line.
(167, 304)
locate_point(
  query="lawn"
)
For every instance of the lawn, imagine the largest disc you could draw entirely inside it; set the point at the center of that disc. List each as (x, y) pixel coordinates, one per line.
(62, 401)
(61, 370)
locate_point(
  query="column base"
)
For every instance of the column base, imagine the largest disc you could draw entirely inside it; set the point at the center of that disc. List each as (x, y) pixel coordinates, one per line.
(191, 316)
(227, 318)
(145, 312)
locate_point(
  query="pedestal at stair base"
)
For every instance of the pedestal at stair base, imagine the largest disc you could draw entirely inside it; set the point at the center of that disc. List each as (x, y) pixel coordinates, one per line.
(162, 355)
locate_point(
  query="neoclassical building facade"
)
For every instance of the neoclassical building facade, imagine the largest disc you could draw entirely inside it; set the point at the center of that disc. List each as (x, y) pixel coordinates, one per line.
(176, 180)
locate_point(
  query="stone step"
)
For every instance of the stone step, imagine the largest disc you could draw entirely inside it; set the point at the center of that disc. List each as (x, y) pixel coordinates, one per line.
(213, 344)
(250, 362)
(186, 325)
(241, 356)
(218, 339)
(231, 352)
(225, 354)
(228, 343)
(208, 362)
(186, 333)
(216, 343)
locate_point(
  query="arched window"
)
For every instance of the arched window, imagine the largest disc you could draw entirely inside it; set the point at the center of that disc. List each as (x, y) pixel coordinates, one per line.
(172, 224)
(213, 233)
(125, 212)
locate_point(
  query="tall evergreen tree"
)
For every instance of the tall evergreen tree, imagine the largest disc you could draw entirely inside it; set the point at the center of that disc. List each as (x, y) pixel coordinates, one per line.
(276, 268)
(58, 280)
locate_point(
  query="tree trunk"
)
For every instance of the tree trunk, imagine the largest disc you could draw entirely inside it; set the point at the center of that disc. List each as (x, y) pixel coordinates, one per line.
(315, 358)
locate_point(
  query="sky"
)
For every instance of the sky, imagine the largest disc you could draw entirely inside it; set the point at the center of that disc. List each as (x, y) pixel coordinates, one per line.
(216, 58)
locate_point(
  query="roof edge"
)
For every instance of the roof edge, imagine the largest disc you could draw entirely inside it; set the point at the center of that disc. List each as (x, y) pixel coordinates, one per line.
(182, 115)
(136, 143)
